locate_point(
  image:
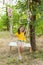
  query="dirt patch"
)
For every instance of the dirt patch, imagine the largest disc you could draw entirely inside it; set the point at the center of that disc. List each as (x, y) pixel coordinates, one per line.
(36, 62)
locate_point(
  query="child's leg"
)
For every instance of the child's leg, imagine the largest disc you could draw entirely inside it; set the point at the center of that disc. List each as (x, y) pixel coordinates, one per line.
(20, 47)
(19, 51)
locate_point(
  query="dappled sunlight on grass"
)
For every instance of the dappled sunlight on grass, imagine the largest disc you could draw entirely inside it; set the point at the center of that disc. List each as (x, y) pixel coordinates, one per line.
(4, 34)
(11, 58)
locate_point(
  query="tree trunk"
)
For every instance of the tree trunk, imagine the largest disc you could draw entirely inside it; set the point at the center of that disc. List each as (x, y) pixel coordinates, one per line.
(32, 33)
(32, 26)
(3, 2)
(10, 28)
(7, 20)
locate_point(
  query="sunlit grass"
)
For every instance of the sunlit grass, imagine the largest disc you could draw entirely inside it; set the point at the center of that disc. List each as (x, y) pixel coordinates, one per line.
(4, 34)
(39, 55)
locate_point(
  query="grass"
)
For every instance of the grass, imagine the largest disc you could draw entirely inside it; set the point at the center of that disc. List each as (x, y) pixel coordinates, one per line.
(4, 34)
(37, 55)
(7, 58)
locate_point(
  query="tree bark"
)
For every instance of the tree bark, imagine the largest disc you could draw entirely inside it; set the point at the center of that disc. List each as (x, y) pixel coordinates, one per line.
(32, 26)
(10, 23)
(7, 20)
(32, 33)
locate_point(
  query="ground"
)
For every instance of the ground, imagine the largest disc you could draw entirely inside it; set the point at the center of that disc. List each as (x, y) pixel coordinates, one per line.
(11, 58)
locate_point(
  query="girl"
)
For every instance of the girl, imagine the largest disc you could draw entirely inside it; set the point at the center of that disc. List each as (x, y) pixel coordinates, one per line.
(21, 39)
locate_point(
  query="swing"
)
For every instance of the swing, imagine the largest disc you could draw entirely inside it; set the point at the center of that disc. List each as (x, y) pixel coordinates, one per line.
(14, 44)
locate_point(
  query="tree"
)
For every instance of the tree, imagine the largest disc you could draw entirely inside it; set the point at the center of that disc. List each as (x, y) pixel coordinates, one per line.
(31, 4)
(9, 9)
(7, 19)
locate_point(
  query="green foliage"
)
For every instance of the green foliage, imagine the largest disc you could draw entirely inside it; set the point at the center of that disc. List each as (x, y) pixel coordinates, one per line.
(39, 23)
(39, 27)
(20, 17)
(3, 22)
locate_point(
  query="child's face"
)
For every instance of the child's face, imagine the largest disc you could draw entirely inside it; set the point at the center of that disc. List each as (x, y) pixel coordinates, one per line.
(21, 29)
